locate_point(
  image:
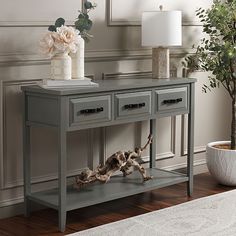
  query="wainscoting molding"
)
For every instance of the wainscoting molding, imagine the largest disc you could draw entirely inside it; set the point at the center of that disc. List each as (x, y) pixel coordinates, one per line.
(160, 156)
(40, 23)
(138, 135)
(112, 21)
(184, 165)
(131, 54)
(127, 75)
(11, 202)
(197, 149)
(40, 179)
(135, 74)
(15, 24)
(3, 153)
(171, 152)
(22, 59)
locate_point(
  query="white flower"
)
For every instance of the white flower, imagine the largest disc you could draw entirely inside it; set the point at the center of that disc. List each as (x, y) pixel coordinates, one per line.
(64, 40)
(47, 44)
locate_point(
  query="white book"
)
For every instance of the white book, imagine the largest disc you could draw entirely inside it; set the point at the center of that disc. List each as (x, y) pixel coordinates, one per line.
(78, 83)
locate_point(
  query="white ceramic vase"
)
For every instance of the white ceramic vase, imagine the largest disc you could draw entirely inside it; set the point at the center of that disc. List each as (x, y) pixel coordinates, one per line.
(222, 163)
(61, 67)
(78, 61)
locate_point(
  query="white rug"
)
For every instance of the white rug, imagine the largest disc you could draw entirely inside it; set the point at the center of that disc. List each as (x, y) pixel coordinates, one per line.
(214, 215)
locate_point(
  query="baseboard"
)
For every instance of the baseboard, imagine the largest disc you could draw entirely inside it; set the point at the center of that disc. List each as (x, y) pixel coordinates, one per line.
(12, 210)
(15, 207)
(200, 167)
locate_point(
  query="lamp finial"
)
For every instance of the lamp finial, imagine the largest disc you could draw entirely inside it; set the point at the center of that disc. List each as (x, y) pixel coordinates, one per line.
(161, 7)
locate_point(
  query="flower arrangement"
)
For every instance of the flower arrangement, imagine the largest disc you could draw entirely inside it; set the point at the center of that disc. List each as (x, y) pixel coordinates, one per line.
(64, 40)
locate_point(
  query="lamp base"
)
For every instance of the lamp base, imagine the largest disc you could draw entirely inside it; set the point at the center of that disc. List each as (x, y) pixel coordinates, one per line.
(160, 63)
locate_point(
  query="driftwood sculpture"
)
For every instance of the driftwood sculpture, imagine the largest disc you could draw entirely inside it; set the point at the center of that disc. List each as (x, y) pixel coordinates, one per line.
(125, 162)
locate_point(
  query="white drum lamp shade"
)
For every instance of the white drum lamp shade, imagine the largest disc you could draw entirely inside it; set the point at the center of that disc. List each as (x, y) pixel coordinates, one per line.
(160, 30)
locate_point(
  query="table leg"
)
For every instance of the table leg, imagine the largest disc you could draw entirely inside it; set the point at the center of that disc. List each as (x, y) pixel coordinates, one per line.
(153, 144)
(190, 141)
(90, 150)
(102, 145)
(62, 163)
(27, 169)
(62, 167)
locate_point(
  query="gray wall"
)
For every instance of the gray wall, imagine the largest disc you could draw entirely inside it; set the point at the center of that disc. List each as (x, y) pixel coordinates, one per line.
(115, 48)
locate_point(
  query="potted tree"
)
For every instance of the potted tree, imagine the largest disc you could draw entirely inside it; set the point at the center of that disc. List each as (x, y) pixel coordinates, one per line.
(216, 53)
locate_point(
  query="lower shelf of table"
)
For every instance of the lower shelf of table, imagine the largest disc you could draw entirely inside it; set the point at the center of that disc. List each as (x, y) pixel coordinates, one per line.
(117, 187)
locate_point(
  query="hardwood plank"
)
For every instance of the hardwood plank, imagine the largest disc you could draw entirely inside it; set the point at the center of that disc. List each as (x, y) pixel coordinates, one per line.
(45, 222)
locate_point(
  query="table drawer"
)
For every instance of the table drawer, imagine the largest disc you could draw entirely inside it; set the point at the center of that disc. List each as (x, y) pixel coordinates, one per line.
(172, 100)
(90, 109)
(133, 104)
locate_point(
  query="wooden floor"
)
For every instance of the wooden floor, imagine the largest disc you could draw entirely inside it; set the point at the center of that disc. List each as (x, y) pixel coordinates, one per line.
(44, 222)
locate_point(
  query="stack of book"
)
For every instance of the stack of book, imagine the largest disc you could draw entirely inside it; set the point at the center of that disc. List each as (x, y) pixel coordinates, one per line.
(72, 83)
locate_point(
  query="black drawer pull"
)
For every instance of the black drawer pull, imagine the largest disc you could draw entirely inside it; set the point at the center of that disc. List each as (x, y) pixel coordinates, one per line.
(172, 101)
(134, 106)
(91, 111)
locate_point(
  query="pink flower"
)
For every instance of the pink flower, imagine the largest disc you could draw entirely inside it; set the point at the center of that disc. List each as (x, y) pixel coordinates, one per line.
(47, 44)
(64, 40)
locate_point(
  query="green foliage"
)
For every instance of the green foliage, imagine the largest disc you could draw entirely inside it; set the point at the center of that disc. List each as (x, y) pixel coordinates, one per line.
(217, 51)
(52, 28)
(83, 23)
(88, 5)
(59, 22)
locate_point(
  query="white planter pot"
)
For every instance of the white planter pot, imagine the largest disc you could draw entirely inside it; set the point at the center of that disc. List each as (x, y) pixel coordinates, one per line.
(78, 61)
(61, 67)
(222, 163)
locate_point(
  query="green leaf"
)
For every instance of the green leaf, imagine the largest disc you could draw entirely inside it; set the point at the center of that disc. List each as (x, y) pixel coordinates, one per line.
(81, 16)
(52, 28)
(83, 23)
(59, 22)
(89, 25)
(88, 5)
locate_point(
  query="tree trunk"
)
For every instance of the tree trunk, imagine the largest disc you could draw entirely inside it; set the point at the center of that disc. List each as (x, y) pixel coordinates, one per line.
(233, 125)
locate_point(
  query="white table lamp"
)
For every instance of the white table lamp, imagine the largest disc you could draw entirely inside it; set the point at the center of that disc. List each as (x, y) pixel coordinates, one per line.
(160, 30)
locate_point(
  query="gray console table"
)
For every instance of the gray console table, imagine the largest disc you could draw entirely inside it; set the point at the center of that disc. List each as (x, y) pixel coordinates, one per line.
(113, 102)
